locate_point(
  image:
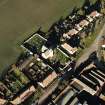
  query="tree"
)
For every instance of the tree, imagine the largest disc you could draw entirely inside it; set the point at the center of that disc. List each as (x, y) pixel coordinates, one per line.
(98, 5)
(86, 7)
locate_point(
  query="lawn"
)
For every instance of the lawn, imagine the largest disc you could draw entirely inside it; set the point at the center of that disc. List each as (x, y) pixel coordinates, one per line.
(59, 59)
(59, 56)
(37, 41)
(19, 18)
(16, 80)
(20, 76)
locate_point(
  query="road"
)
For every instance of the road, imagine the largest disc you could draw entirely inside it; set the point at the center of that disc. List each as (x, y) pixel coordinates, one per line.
(48, 92)
(86, 54)
(92, 48)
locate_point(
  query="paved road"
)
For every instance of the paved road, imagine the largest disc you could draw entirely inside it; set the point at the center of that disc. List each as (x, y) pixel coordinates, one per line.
(91, 49)
(48, 92)
(86, 54)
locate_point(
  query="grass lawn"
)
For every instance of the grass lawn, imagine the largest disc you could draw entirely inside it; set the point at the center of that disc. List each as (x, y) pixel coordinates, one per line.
(37, 41)
(59, 56)
(20, 76)
(19, 18)
(17, 80)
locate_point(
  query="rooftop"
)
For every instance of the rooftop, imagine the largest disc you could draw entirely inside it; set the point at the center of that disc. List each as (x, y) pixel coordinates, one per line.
(48, 79)
(89, 18)
(103, 42)
(81, 86)
(72, 32)
(94, 14)
(37, 70)
(23, 96)
(47, 53)
(2, 101)
(84, 23)
(70, 49)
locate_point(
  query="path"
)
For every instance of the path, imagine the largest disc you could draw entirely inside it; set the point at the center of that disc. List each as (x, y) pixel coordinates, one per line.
(92, 48)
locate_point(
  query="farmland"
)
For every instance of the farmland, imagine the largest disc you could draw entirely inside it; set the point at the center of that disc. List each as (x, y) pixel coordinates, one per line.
(20, 18)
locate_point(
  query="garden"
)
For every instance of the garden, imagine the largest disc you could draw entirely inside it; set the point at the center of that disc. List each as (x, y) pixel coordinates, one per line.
(15, 80)
(59, 59)
(35, 42)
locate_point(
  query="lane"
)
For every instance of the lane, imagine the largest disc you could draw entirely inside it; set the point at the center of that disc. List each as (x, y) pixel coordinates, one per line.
(48, 91)
(92, 48)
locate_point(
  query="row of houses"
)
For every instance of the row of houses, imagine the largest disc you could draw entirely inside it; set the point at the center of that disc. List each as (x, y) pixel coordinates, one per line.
(41, 68)
(48, 53)
(77, 29)
(73, 90)
(39, 72)
(80, 89)
(83, 23)
(79, 92)
(16, 87)
(24, 95)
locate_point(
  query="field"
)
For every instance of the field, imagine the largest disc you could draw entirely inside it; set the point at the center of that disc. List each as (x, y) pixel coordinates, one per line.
(19, 18)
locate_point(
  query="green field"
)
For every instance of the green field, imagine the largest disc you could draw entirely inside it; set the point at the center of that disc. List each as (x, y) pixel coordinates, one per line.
(19, 18)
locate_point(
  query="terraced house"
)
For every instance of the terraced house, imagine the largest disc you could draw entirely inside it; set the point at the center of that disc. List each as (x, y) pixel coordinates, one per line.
(46, 75)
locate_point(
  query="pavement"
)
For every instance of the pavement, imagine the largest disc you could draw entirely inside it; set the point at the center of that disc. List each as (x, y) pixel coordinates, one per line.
(48, 92)
(92, 48)
(86, 54)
